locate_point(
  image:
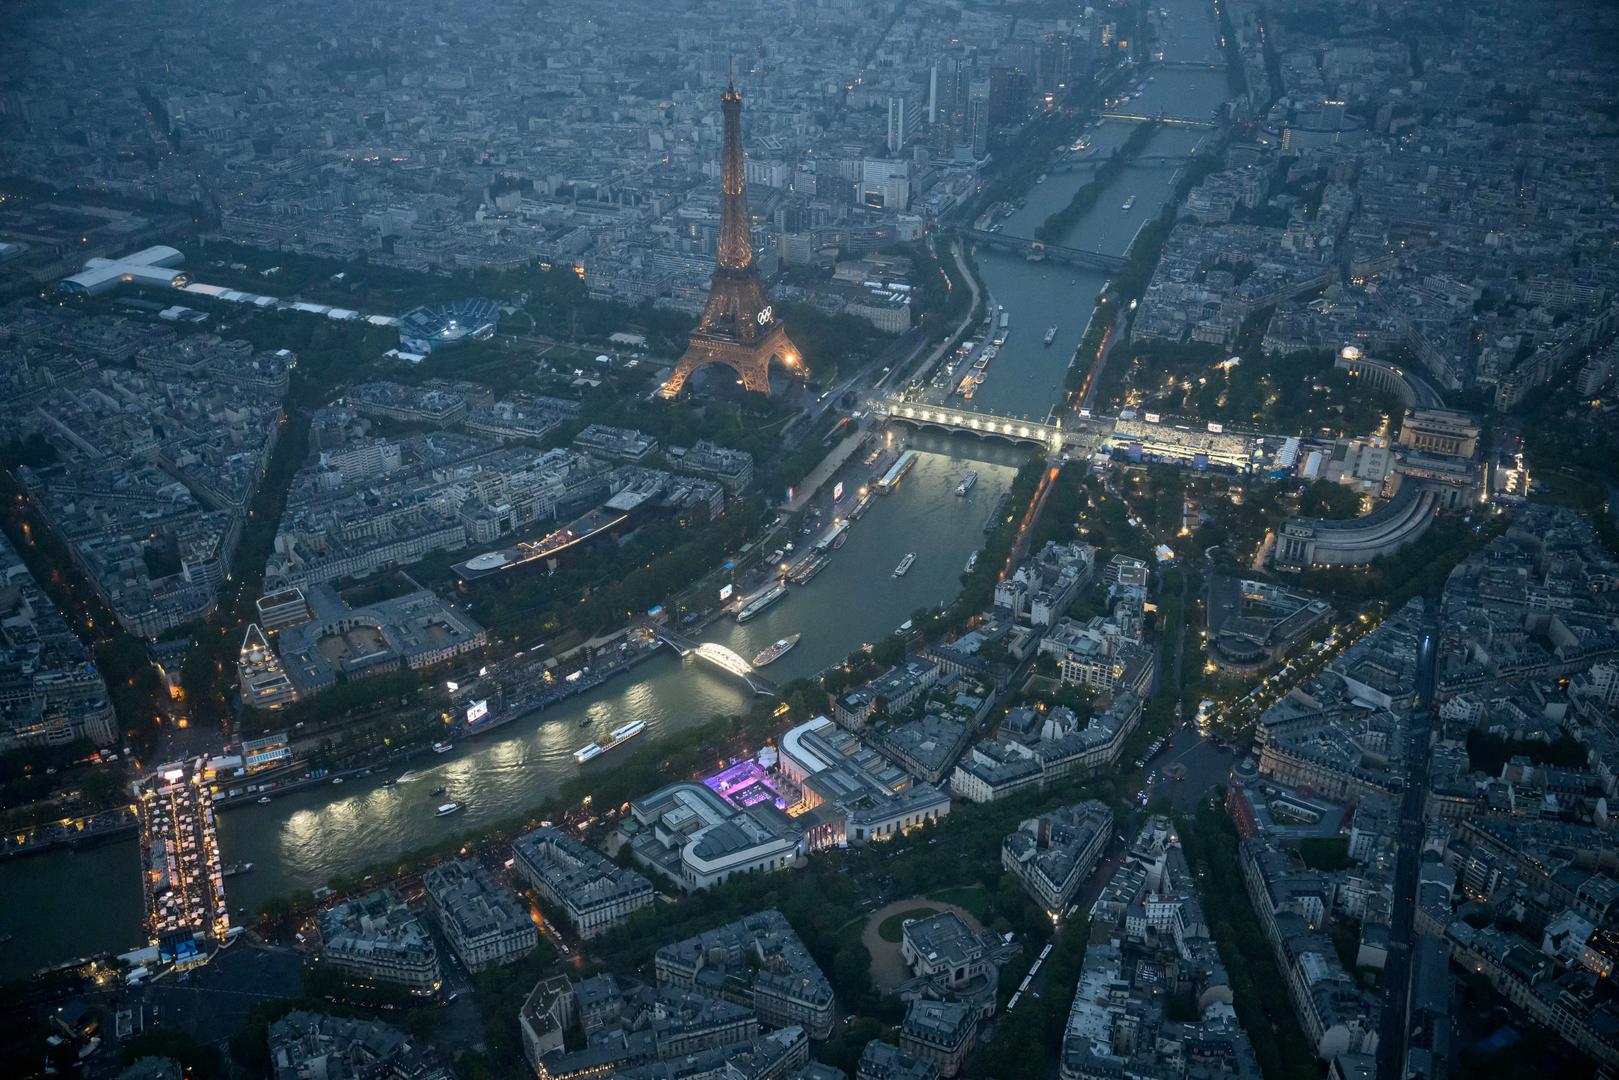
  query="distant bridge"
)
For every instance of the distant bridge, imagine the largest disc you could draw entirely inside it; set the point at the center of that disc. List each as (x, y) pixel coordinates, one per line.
(1075, 164)
(1095, 260)
(715, 654)
(1050, 437)
(1142, 118)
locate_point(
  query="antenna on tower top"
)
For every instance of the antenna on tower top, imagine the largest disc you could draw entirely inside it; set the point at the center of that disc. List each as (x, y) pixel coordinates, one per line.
(730, 72)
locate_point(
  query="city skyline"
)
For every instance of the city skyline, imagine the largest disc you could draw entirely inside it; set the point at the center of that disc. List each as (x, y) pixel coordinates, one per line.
(1160, 619)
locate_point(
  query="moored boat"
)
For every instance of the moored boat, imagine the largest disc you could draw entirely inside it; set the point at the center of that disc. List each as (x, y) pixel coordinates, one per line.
(760, 602)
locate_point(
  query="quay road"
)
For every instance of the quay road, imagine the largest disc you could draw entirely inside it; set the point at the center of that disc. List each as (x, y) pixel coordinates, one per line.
(1394, 1029)
(66, 904)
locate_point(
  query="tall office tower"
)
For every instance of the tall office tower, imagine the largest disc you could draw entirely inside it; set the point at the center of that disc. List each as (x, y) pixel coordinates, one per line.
(738, 328)
(978, 122)
(1008, 94)
(933, 94)
(1053, 63)
(896, 124)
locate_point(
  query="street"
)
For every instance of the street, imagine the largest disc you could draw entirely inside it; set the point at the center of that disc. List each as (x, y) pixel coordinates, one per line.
(1397, 972)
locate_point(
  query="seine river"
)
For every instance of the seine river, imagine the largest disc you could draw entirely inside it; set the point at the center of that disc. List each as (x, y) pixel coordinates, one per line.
(71, 904)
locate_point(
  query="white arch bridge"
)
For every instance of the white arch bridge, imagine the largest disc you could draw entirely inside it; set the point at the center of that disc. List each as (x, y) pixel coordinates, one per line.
(1048, 436)
(713, 653)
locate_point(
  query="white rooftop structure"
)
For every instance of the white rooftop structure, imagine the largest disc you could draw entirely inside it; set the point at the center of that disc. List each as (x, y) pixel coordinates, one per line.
(152, 266)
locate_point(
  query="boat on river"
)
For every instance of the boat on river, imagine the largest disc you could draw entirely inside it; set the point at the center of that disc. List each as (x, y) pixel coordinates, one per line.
(618, 737)
(806, 571)
(776, 651)
(1051, 335)
(446, 809)
(762, 601)
(967, 482)
(1129, 201)
(904, 566)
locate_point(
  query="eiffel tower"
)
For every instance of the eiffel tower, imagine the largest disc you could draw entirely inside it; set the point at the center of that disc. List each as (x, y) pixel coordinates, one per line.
(738, 328)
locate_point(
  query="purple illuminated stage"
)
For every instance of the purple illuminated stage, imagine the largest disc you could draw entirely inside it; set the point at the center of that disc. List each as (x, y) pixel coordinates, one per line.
(745, 784)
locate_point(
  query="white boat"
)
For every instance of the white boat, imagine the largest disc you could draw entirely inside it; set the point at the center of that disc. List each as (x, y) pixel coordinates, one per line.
(972, 563)
(442, 747)
(617, 737)
(967, 482)
(776, 651)
(446, 809)
(236, 868)
(804, 573)
(337, 779)
(1051, 334)
(1129, 202)
(762, 601)
(904, 566)
(264, 800)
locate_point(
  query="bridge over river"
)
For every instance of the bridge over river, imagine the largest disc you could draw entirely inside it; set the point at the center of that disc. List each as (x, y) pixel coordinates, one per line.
(1050, 437)
(1076, 164)
(1095, 260)
(718, 655)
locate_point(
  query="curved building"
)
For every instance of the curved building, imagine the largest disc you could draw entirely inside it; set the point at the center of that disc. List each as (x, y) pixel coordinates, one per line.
(1314, 542)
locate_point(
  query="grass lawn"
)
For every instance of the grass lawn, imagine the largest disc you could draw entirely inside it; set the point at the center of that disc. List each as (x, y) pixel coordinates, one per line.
(892, 928)
(975, 898)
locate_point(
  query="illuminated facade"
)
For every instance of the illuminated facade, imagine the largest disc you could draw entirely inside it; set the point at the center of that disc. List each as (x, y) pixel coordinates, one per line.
(738, 327)
(264, 683)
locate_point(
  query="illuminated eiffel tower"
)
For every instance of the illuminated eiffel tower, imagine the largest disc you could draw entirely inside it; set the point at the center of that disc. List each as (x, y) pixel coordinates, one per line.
(738, 328)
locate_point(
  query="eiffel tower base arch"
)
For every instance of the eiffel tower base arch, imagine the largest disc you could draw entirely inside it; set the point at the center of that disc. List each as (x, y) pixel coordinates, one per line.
(750, 360)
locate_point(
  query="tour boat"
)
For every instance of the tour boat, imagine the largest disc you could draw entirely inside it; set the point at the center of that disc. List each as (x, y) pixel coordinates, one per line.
(776, 651)
(1051, 334)
(1129, 202)
(904, 566)
(762, 601)
(804, 573)
(967, 482)
(237, 868)
(446, 809)
(617, 737)
(442, 747)
(972, 563)
(264, 800)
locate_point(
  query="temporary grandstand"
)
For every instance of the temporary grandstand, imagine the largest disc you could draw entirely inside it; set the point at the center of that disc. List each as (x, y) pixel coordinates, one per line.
(446, 326)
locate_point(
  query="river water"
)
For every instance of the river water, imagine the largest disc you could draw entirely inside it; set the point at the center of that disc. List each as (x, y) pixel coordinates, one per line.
(70, 904)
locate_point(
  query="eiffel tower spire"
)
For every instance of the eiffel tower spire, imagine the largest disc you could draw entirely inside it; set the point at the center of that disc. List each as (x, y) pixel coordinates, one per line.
(738, 327)
(735, 245)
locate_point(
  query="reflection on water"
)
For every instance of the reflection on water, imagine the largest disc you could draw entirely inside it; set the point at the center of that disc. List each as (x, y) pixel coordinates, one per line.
(64, 905)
